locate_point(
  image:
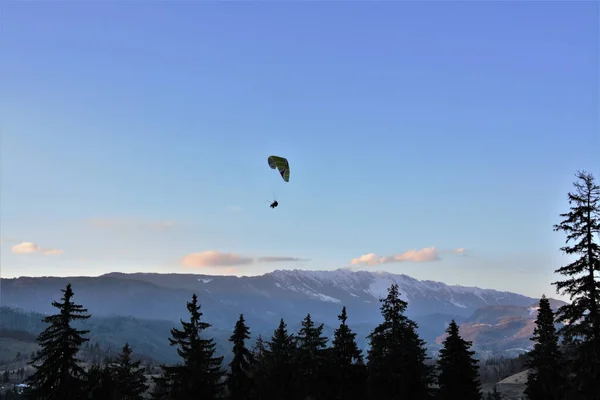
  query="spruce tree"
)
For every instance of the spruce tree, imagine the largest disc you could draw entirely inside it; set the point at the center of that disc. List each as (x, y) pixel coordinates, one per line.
(310, 359)
(259, 368)
(59, 374)
(396, 359)
(545, 380)
(582, 226)
(459, 370)
(346, 362)
(277, 380)
(128, 376)
(345, 351)
(199, 376)
(239, 381)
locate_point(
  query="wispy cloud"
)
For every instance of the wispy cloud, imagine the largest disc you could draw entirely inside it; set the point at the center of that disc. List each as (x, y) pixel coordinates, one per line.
(214, 259)
(426, 254)
(220, 260)
(268, 259)
(30, 248)
(130, 224)
(53, 252)
(460, 251)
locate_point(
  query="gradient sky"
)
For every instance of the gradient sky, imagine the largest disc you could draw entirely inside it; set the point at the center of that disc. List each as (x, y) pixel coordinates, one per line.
(135, 135)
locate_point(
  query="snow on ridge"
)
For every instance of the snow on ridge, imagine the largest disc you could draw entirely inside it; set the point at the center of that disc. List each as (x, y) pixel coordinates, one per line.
(456, 303)
(376, 284)
(204, 280)
(315, 295)
(342, 279)
(324, 297)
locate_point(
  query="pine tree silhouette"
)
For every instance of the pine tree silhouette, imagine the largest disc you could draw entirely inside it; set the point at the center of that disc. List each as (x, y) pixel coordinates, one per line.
(396, 359)
(128, 376)
(59, 374)
(199, 376)
(347, 370)
(582, 226)
(459, 371)
(310, 359)
(239, 380)
(545, 380)
(277, 381)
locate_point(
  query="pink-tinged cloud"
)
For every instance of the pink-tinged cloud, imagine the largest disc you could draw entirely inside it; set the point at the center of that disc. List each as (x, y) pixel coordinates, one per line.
(25, 248)
(29, 248)
(281, 259)
(423, 255)
(214, 259)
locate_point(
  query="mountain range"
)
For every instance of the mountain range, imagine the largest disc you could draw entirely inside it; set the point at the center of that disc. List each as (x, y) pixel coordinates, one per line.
(496, 321)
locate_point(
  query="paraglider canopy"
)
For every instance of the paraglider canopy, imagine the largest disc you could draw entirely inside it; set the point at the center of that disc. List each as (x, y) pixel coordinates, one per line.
(280, 163)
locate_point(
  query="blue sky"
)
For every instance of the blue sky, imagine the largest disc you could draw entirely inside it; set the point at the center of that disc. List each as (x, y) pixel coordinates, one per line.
(135, 134)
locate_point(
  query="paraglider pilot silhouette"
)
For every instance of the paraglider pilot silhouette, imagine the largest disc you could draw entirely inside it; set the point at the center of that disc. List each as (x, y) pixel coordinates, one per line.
(283, 166)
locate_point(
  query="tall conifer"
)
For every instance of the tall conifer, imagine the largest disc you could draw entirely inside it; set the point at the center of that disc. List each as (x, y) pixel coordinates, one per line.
(459, 370)
(582, 316)
(199, 376)
(59, 374)
(239, 381)
(128, 375)
(396, 359)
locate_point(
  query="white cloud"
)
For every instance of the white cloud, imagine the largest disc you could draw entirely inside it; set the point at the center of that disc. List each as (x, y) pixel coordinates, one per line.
(423, 255)
(29, 248)
(214, 259)
(26, 248)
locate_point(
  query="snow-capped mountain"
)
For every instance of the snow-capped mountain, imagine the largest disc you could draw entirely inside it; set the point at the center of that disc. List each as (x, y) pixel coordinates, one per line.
(287, 294)
(424, 297)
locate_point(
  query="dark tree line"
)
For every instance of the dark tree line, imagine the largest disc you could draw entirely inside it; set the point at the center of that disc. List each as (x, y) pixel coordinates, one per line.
(293, 366)
(300, 365)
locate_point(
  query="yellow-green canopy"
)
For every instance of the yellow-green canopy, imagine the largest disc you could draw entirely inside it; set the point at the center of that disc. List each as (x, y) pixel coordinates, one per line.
(282, 165)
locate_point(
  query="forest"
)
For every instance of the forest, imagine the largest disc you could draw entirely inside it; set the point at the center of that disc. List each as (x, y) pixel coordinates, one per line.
(563, 364)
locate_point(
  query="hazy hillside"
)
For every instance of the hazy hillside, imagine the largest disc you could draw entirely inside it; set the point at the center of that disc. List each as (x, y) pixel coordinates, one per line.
(145, 306)
(501, 328)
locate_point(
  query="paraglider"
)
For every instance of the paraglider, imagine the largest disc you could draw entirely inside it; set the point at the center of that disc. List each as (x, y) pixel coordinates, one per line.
(281, 164)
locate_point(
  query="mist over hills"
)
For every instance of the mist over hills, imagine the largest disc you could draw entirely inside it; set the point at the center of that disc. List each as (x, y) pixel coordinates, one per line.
(289, 294)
